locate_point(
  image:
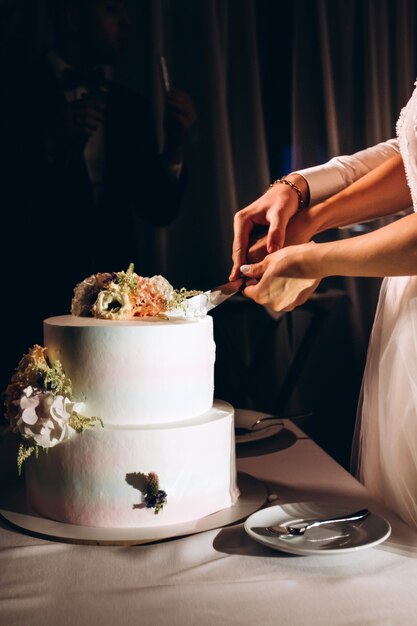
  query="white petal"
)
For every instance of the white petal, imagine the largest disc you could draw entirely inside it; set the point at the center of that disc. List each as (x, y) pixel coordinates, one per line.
(29, 416)
(29, 402)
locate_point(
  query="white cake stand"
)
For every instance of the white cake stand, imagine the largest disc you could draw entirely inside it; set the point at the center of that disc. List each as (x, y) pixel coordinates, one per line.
(253, 496)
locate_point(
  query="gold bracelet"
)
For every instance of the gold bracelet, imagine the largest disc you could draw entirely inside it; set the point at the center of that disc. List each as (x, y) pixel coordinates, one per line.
(285, 181)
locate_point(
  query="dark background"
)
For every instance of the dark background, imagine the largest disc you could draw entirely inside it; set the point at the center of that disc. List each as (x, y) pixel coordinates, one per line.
(312, 359)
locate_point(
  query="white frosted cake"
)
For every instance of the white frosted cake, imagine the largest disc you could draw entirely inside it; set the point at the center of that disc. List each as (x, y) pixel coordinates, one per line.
(160, 451)
(136, 372)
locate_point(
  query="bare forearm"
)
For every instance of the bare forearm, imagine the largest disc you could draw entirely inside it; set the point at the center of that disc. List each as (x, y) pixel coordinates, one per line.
(384, 191)
(388, 251)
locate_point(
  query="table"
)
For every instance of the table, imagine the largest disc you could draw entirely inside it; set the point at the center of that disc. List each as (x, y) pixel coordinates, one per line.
(219, 576)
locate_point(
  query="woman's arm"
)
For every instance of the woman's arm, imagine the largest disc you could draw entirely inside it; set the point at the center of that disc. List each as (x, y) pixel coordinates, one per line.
(388, 251)
(383, 191)
(275, 208)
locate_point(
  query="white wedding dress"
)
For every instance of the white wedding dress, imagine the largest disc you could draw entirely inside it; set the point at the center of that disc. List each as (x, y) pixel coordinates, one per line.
(385, 448)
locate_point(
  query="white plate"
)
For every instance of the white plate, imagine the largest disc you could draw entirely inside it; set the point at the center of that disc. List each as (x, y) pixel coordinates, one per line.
(335, 538)
(244, 418)
(253, 495)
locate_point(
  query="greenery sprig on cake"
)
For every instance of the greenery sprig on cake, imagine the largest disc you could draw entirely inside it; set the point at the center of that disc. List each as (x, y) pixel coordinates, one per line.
(154, 497)
(39, 405)
(126, 295)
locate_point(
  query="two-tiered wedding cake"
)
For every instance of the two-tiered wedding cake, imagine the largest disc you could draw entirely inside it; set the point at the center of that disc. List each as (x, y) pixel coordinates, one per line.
(159, 444)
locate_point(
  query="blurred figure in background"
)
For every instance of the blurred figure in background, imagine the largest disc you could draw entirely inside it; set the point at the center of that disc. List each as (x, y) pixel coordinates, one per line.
(80, 164)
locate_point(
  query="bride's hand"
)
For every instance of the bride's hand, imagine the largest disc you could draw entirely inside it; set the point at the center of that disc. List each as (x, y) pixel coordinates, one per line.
(298, 231)
(281, 280)
(273, 210)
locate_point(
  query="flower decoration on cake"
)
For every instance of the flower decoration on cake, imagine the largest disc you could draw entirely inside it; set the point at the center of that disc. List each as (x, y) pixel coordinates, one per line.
(39, 405)
(154, 497)
(126, 295)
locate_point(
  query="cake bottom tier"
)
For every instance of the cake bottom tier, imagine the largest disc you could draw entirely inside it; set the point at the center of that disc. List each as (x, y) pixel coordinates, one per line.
(97, 478)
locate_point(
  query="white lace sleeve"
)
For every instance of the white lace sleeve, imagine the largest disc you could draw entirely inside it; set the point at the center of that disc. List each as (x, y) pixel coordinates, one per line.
(407, 140)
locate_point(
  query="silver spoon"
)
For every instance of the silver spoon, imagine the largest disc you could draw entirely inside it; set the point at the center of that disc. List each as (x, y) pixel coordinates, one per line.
(244, 430)
(299, 529)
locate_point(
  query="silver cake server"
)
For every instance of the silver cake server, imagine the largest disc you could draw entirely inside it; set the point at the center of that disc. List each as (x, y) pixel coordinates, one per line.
(200, 305)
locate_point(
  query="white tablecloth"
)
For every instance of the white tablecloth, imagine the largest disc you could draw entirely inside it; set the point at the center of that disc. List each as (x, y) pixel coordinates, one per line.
(219, 576)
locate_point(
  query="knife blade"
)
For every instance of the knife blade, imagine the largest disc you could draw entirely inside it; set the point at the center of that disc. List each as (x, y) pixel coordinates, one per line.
(200, 305)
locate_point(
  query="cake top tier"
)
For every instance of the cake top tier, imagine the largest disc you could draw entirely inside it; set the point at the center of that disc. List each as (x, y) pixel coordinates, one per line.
(92, 322)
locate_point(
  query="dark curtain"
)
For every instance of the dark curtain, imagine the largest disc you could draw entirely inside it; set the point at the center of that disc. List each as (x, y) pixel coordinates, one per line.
(277, 86)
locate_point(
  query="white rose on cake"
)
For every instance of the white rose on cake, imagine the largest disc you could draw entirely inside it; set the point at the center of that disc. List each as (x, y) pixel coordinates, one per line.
(163, 287)
(113, 304)
(43, 419)
(39, 405)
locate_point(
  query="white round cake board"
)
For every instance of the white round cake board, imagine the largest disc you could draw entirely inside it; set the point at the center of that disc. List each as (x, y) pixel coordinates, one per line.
(253, 495)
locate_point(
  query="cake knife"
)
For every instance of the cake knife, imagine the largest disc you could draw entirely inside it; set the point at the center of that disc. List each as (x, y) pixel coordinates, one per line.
(200, 305)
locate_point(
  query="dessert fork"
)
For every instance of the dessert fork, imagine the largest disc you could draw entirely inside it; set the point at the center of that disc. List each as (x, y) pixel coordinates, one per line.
(298, 529)
(244, 430)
